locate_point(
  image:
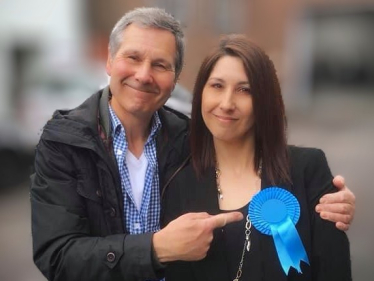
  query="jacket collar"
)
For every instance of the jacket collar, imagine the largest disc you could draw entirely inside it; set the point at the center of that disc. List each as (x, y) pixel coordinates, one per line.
(88, 126)
(79, 126)
(104, 117)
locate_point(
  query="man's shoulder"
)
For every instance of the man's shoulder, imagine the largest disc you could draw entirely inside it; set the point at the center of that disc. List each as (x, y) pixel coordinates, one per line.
(173, 145)
(173, 113)
(80, 122)
(173, 120)
(83, 112)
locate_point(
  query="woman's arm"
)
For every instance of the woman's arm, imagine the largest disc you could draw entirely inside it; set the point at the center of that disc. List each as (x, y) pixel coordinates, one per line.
(330, 258)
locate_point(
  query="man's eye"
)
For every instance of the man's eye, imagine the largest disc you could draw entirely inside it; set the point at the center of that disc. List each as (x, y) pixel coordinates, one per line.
(133, 58)
(160, 66)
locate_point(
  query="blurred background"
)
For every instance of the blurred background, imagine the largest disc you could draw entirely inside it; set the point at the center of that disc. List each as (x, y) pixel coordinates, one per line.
(53, 52)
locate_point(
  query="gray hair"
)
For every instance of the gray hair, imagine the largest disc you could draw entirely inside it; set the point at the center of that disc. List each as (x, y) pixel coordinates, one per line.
(150, 17)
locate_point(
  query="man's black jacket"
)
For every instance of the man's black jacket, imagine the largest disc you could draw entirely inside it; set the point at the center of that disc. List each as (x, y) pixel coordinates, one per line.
(76, 199)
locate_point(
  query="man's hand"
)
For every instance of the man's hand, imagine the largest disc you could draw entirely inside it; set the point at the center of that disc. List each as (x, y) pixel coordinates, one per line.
(188, 237)
(338, 207)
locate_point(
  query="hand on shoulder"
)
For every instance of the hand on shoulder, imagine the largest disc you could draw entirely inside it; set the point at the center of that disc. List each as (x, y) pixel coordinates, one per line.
(338, 207)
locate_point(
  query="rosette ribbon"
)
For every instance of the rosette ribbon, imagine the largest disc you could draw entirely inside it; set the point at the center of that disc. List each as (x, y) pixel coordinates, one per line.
(275, 211)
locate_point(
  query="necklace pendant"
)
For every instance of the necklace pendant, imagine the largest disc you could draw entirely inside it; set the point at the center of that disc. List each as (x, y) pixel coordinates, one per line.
(220, 196)
(236, 279)
(248, 245)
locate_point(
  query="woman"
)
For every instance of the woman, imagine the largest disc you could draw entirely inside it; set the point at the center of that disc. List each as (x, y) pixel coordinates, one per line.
(238, 147)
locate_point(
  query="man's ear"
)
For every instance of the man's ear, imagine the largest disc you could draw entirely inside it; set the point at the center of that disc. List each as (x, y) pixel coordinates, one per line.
(108, 66)
(172, 89)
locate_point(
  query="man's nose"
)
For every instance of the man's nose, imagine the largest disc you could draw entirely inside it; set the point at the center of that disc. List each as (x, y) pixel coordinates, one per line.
(144, 73)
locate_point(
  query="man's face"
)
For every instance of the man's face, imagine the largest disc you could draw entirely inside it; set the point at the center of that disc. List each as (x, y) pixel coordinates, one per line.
(142, 71)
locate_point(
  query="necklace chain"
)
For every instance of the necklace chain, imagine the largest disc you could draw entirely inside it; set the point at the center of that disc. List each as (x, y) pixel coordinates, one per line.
(218, 176)
(246, 248)
(248, 224)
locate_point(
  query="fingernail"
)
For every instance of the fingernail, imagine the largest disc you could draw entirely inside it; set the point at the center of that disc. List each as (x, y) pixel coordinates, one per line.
(318, 208)
(323, 215)
(322, 200)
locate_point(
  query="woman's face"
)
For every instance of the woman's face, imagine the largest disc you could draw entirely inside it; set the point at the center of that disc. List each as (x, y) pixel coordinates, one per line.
(227, 101)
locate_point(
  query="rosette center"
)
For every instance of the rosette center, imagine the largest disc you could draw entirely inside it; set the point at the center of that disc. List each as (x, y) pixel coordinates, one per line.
(274, 211)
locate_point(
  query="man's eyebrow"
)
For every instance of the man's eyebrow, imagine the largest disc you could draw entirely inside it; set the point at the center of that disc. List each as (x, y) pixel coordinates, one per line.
(162, 60)
(131, 51)
(136, 52)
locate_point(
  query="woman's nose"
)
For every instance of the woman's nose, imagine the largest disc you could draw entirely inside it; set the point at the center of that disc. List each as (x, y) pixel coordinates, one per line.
(227, 102)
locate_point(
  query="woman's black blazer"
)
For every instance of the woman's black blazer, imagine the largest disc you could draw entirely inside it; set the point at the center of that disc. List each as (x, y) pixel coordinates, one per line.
(326, 246)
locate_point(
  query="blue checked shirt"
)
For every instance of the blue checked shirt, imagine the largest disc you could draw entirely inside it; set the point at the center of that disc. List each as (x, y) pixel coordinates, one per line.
(147, 218)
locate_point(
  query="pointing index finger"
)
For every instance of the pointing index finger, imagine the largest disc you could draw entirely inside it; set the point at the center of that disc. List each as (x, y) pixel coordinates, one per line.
(221, 220)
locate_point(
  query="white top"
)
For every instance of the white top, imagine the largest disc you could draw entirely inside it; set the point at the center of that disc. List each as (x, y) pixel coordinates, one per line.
(137, 169)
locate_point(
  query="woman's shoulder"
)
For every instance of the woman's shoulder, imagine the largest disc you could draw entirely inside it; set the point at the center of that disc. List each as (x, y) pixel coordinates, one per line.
(309, 164)
(305, 155)
(187, 185)
(185, 172)
(183, 176)
(295, 150)
(188, 193)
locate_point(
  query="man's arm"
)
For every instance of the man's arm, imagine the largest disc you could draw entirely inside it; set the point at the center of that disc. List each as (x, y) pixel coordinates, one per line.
(330, 255)
(64, 247)
(338, 207)
(188, 237)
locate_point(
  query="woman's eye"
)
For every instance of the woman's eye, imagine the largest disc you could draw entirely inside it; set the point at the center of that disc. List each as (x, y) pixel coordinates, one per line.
(244, 90)
(217, 86)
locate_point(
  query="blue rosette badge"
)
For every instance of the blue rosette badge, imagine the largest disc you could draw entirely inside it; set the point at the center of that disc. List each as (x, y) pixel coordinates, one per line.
(275, 211)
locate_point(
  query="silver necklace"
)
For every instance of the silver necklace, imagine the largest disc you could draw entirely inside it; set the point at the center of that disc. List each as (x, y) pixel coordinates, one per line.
(246, 247)
(248, 224)
(218, 175)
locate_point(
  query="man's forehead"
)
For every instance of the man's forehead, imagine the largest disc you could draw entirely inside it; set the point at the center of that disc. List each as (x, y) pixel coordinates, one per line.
(139, 30)
(141, 40)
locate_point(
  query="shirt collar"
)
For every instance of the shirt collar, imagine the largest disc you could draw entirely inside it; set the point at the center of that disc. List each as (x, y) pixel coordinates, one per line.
(117, 125)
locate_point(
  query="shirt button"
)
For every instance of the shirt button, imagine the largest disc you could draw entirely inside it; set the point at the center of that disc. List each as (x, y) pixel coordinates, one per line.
(98, 193)
(119, 152)
(110, 257)
(137, 225)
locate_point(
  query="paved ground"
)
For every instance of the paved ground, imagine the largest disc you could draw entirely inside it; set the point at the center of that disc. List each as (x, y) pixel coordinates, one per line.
(343, 126)
(15, 237)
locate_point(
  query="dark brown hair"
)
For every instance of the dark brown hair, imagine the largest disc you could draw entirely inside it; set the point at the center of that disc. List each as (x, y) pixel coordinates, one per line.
(268, 108)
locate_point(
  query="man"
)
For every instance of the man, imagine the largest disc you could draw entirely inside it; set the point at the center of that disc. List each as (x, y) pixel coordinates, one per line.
(99, 168)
